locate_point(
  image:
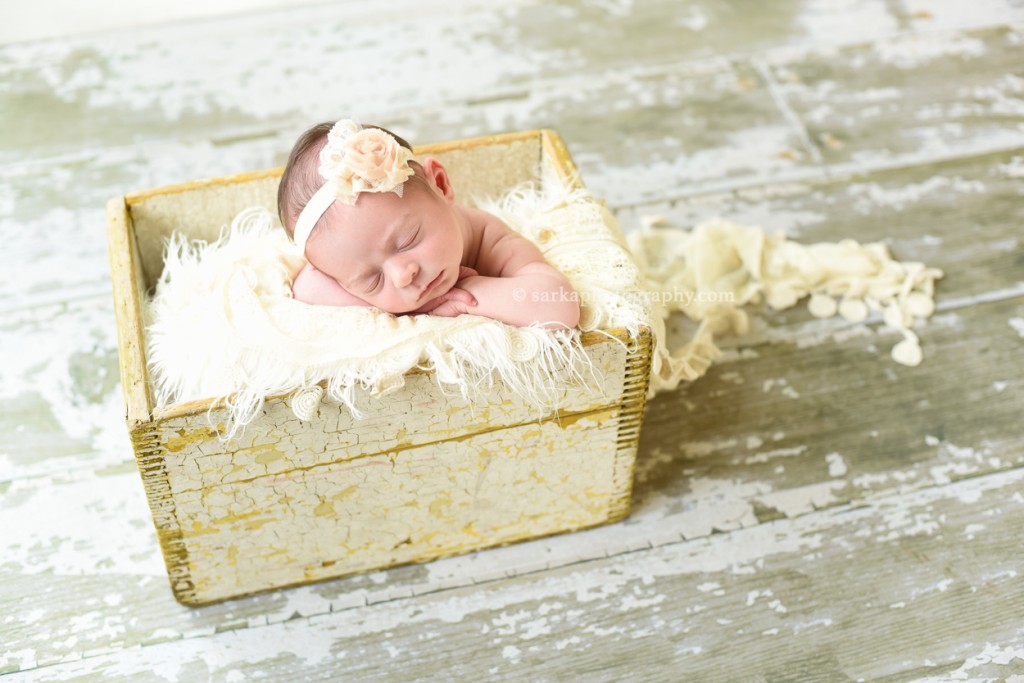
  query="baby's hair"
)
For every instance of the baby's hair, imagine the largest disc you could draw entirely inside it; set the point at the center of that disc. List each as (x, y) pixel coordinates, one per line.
(301, 178)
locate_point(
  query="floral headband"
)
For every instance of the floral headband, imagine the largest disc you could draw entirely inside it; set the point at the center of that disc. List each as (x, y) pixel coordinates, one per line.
(354, 160)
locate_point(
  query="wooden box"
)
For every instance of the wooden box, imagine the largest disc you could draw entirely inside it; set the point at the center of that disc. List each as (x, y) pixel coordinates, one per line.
(421, 476)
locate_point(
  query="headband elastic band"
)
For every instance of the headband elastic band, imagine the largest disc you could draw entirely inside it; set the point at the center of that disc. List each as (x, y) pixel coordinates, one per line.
(313, 211)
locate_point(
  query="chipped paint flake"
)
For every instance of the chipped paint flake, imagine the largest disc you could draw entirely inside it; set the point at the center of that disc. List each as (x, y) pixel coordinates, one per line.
(915, 50)
(765, 456)
(803, 499)
(1018, 325)
(869, 196)
(836, 465)
(992, 654)
(1012, 169)
(831, 21)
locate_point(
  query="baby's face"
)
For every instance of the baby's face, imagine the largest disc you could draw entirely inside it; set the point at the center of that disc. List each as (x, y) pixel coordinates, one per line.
(396, 253)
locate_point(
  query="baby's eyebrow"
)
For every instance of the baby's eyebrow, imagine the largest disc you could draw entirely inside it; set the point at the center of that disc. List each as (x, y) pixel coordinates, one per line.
(402, 229)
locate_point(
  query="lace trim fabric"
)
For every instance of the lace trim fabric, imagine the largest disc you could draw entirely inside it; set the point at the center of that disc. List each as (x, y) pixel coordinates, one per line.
(739, 265)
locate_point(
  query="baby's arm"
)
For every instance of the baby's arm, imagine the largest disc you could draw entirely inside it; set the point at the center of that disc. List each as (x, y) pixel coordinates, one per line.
(314, 287)
(535, 293)
(518, 287)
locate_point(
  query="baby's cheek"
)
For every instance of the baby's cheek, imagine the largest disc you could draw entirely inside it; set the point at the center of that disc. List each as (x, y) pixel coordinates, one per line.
(391, 304)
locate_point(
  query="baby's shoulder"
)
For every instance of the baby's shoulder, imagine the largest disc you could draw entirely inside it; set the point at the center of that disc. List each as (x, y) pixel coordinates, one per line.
(480, 221)
(488, 228)
(500, 249)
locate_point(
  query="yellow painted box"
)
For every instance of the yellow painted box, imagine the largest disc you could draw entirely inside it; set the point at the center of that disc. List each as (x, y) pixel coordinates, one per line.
(419, 477)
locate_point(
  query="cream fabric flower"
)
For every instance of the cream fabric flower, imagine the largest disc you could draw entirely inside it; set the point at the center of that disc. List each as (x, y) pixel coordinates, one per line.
(360, 159)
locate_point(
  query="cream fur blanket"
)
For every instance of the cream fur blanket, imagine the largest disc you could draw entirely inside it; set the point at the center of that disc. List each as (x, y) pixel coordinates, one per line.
(222, 323)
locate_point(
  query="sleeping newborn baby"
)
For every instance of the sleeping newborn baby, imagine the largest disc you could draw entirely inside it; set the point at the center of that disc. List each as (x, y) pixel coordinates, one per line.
(380, 229)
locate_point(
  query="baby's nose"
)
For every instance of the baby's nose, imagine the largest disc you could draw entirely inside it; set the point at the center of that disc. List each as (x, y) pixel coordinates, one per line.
(406, 274)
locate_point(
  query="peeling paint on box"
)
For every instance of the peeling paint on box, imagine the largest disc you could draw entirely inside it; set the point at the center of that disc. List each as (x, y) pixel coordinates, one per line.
(290, 504)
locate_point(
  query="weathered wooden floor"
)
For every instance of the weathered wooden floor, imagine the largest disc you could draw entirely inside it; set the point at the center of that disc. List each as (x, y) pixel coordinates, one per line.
(809, 511)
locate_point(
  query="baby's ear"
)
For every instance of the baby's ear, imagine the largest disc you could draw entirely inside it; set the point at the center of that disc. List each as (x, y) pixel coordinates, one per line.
(438, 177)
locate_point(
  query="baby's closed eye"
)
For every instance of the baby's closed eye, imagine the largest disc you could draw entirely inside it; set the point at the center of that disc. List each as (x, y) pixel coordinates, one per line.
(374, 282)
(410, 240)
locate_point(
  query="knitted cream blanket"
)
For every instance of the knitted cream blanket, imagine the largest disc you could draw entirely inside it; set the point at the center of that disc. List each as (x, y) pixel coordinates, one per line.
(222, 323)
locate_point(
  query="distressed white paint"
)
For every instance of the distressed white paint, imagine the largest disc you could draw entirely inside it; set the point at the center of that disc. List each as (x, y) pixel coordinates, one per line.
(836, 465)
(63, 18)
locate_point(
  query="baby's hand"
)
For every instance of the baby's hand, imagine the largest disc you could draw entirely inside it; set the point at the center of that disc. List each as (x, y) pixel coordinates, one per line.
(454, 302)
(464, 272)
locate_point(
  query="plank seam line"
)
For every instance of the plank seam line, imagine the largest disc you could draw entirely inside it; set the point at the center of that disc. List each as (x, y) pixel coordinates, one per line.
(788, 113)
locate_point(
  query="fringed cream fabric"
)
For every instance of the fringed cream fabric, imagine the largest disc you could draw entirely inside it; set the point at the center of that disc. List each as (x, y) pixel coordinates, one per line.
(224, 325)
(713, 270)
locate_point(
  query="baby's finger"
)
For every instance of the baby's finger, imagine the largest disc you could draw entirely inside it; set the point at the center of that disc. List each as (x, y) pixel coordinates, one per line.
(445, 310)
(466, 271)
(449, 309)
(459, 294)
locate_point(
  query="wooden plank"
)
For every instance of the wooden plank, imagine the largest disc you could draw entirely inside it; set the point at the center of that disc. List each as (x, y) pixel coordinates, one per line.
(801, 424)
(447, 498)
(909, 97)
(418, 414)
(854, 593)
(129, 289)
(60, 404)
(53, 216)
(367, 501)
(153, 83)
(703, 125)
(141, 86)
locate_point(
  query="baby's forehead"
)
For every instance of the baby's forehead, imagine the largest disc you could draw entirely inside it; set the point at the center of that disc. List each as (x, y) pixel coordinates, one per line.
(370, 214)
(381, 212)
(366, 225)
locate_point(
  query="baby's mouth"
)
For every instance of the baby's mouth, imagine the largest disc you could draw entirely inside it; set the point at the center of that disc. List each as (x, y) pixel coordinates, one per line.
(432, 284)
